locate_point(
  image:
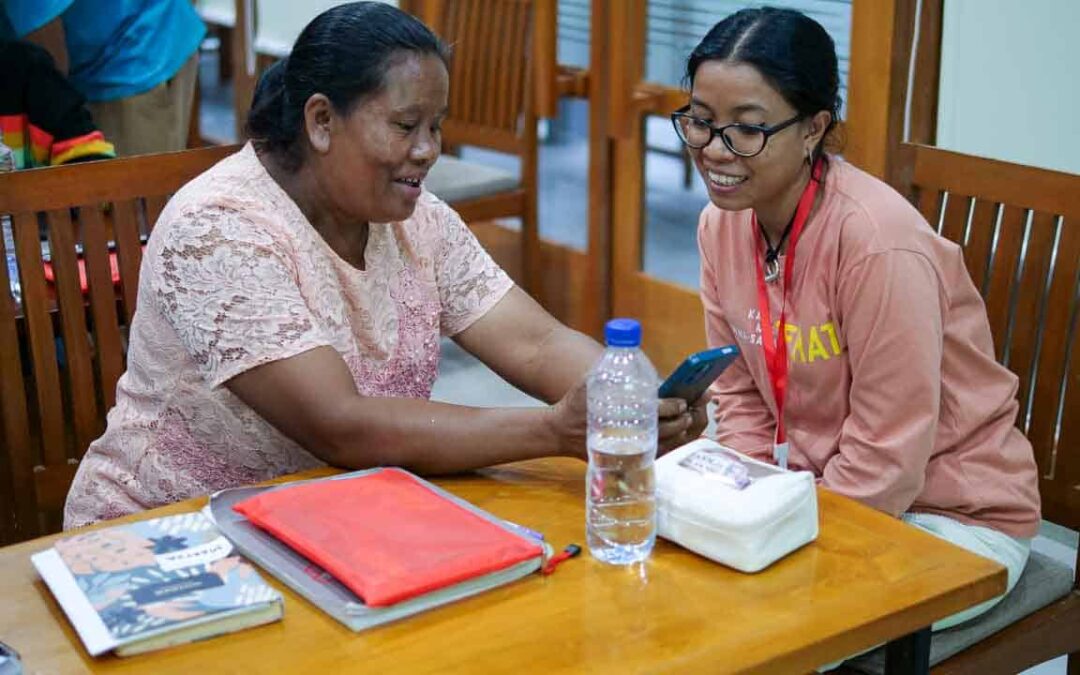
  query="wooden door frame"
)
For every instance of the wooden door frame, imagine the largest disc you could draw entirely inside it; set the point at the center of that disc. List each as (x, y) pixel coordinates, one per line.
(881, 44)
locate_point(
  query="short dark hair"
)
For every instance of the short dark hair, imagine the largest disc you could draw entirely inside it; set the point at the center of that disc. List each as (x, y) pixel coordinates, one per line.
(790, 50)
(344, 53)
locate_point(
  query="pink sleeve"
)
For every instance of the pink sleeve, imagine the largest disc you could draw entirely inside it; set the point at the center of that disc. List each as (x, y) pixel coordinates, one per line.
(743, 419)
(230, 292)
(891, 308)
(470, 282)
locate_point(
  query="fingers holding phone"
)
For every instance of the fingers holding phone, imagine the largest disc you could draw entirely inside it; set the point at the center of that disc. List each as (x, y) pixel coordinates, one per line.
(699, 415)
(674, 422)
(680, 423)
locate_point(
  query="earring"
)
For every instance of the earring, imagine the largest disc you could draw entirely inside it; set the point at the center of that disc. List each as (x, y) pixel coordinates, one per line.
(809, 157)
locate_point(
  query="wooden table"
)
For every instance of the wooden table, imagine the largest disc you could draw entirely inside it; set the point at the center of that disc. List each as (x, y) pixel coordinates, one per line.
(866, 580)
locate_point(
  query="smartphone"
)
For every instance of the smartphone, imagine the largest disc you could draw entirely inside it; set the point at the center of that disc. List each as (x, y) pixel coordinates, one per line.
(697, 373)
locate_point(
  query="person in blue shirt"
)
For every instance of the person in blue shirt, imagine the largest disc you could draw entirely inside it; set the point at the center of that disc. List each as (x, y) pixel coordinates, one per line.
(135, 62)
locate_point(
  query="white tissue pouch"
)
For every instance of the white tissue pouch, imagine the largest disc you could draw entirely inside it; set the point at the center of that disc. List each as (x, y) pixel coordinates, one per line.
(701, 506)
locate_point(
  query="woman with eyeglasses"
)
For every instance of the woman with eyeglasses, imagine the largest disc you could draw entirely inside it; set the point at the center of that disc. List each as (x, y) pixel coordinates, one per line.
(887, 389)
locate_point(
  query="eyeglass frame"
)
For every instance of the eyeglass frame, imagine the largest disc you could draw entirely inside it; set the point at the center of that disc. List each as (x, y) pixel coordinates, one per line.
(766, 131)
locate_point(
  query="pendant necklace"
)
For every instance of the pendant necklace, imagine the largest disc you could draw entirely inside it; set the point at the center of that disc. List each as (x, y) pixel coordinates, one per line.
(772, 253)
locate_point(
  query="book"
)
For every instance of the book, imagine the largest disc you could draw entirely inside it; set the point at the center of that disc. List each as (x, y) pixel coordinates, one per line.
(151, 584)
(327, 592)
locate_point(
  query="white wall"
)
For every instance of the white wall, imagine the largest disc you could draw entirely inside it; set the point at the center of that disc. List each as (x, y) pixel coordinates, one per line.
(1010, 81)
(279, 22)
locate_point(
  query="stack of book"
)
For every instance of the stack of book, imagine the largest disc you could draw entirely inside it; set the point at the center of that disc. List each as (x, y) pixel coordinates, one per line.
(151, 584)
(367, 548)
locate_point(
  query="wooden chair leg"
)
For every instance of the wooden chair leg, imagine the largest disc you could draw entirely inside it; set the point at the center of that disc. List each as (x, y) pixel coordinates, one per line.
(195, 139)
(225, 62)
(530, 249)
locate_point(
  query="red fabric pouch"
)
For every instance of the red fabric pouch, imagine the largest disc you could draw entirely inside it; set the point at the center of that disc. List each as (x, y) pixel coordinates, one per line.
(385, 535)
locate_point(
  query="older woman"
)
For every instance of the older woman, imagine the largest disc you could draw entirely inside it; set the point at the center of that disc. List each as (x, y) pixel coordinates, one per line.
(292, 297)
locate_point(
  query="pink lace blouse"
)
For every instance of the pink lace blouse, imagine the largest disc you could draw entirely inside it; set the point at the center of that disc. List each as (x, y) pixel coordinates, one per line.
(234, 276)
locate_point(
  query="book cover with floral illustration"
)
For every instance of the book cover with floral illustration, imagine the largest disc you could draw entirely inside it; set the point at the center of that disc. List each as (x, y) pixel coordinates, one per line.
(128, 583)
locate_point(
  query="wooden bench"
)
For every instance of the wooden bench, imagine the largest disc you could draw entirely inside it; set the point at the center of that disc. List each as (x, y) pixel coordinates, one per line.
(62, 350)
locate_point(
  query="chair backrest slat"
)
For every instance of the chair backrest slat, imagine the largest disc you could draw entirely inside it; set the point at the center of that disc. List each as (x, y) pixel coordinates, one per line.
(1057, 405)
(106, 325)
(1027, 308)
(38, 308)
(503, 106)
(1050, 337)
(516, 81)
(1020, 230)
(490, 71)
(62, 347)
(469, 42)
(486, 33)
(77, 360)
(19, 514)
(954, 219)
(978, 240)
(155, 204)
(1065, 467)
(125, 222)
(1003, 263)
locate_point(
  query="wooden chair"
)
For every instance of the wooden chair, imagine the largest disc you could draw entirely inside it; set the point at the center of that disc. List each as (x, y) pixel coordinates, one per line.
(1020, 231)
(62, 350)
(493, 76)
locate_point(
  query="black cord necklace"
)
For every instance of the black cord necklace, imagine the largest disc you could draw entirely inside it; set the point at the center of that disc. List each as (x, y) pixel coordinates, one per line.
(772, 253)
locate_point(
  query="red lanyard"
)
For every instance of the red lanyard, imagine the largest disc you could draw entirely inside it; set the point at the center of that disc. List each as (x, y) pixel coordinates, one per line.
(776, 359)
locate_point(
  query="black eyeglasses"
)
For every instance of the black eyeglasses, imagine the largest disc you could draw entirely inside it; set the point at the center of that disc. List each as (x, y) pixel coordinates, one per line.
(745, 140)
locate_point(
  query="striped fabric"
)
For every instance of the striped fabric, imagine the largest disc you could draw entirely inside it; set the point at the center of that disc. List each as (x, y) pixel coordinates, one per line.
(43, 119)
(34, 147)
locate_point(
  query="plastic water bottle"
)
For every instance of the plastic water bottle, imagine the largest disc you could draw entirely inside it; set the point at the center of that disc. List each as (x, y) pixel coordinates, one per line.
(620, 500)
(7, 164)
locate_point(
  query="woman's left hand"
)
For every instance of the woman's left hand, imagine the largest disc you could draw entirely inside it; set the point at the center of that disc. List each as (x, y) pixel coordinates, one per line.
(679, 423)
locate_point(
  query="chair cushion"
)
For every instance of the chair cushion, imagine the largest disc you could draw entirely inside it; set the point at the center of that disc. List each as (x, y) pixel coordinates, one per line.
(455, 180)
(1044, 580)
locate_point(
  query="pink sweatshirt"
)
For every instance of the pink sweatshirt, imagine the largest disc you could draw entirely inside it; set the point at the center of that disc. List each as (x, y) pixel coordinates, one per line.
(894, 396)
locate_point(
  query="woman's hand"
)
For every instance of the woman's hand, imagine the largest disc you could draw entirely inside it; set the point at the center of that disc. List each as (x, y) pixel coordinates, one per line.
(674, 422)
(678, 423)
(570, 422)
(699, 411)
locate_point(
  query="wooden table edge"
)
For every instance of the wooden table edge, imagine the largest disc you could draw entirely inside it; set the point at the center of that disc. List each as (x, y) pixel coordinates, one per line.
(805, 659)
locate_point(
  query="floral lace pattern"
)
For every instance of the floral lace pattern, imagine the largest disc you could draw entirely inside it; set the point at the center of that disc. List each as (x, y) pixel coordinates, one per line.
(234, 277)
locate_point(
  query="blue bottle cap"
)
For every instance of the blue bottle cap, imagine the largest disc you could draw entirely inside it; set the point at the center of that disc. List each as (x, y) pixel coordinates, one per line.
(623, 333)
